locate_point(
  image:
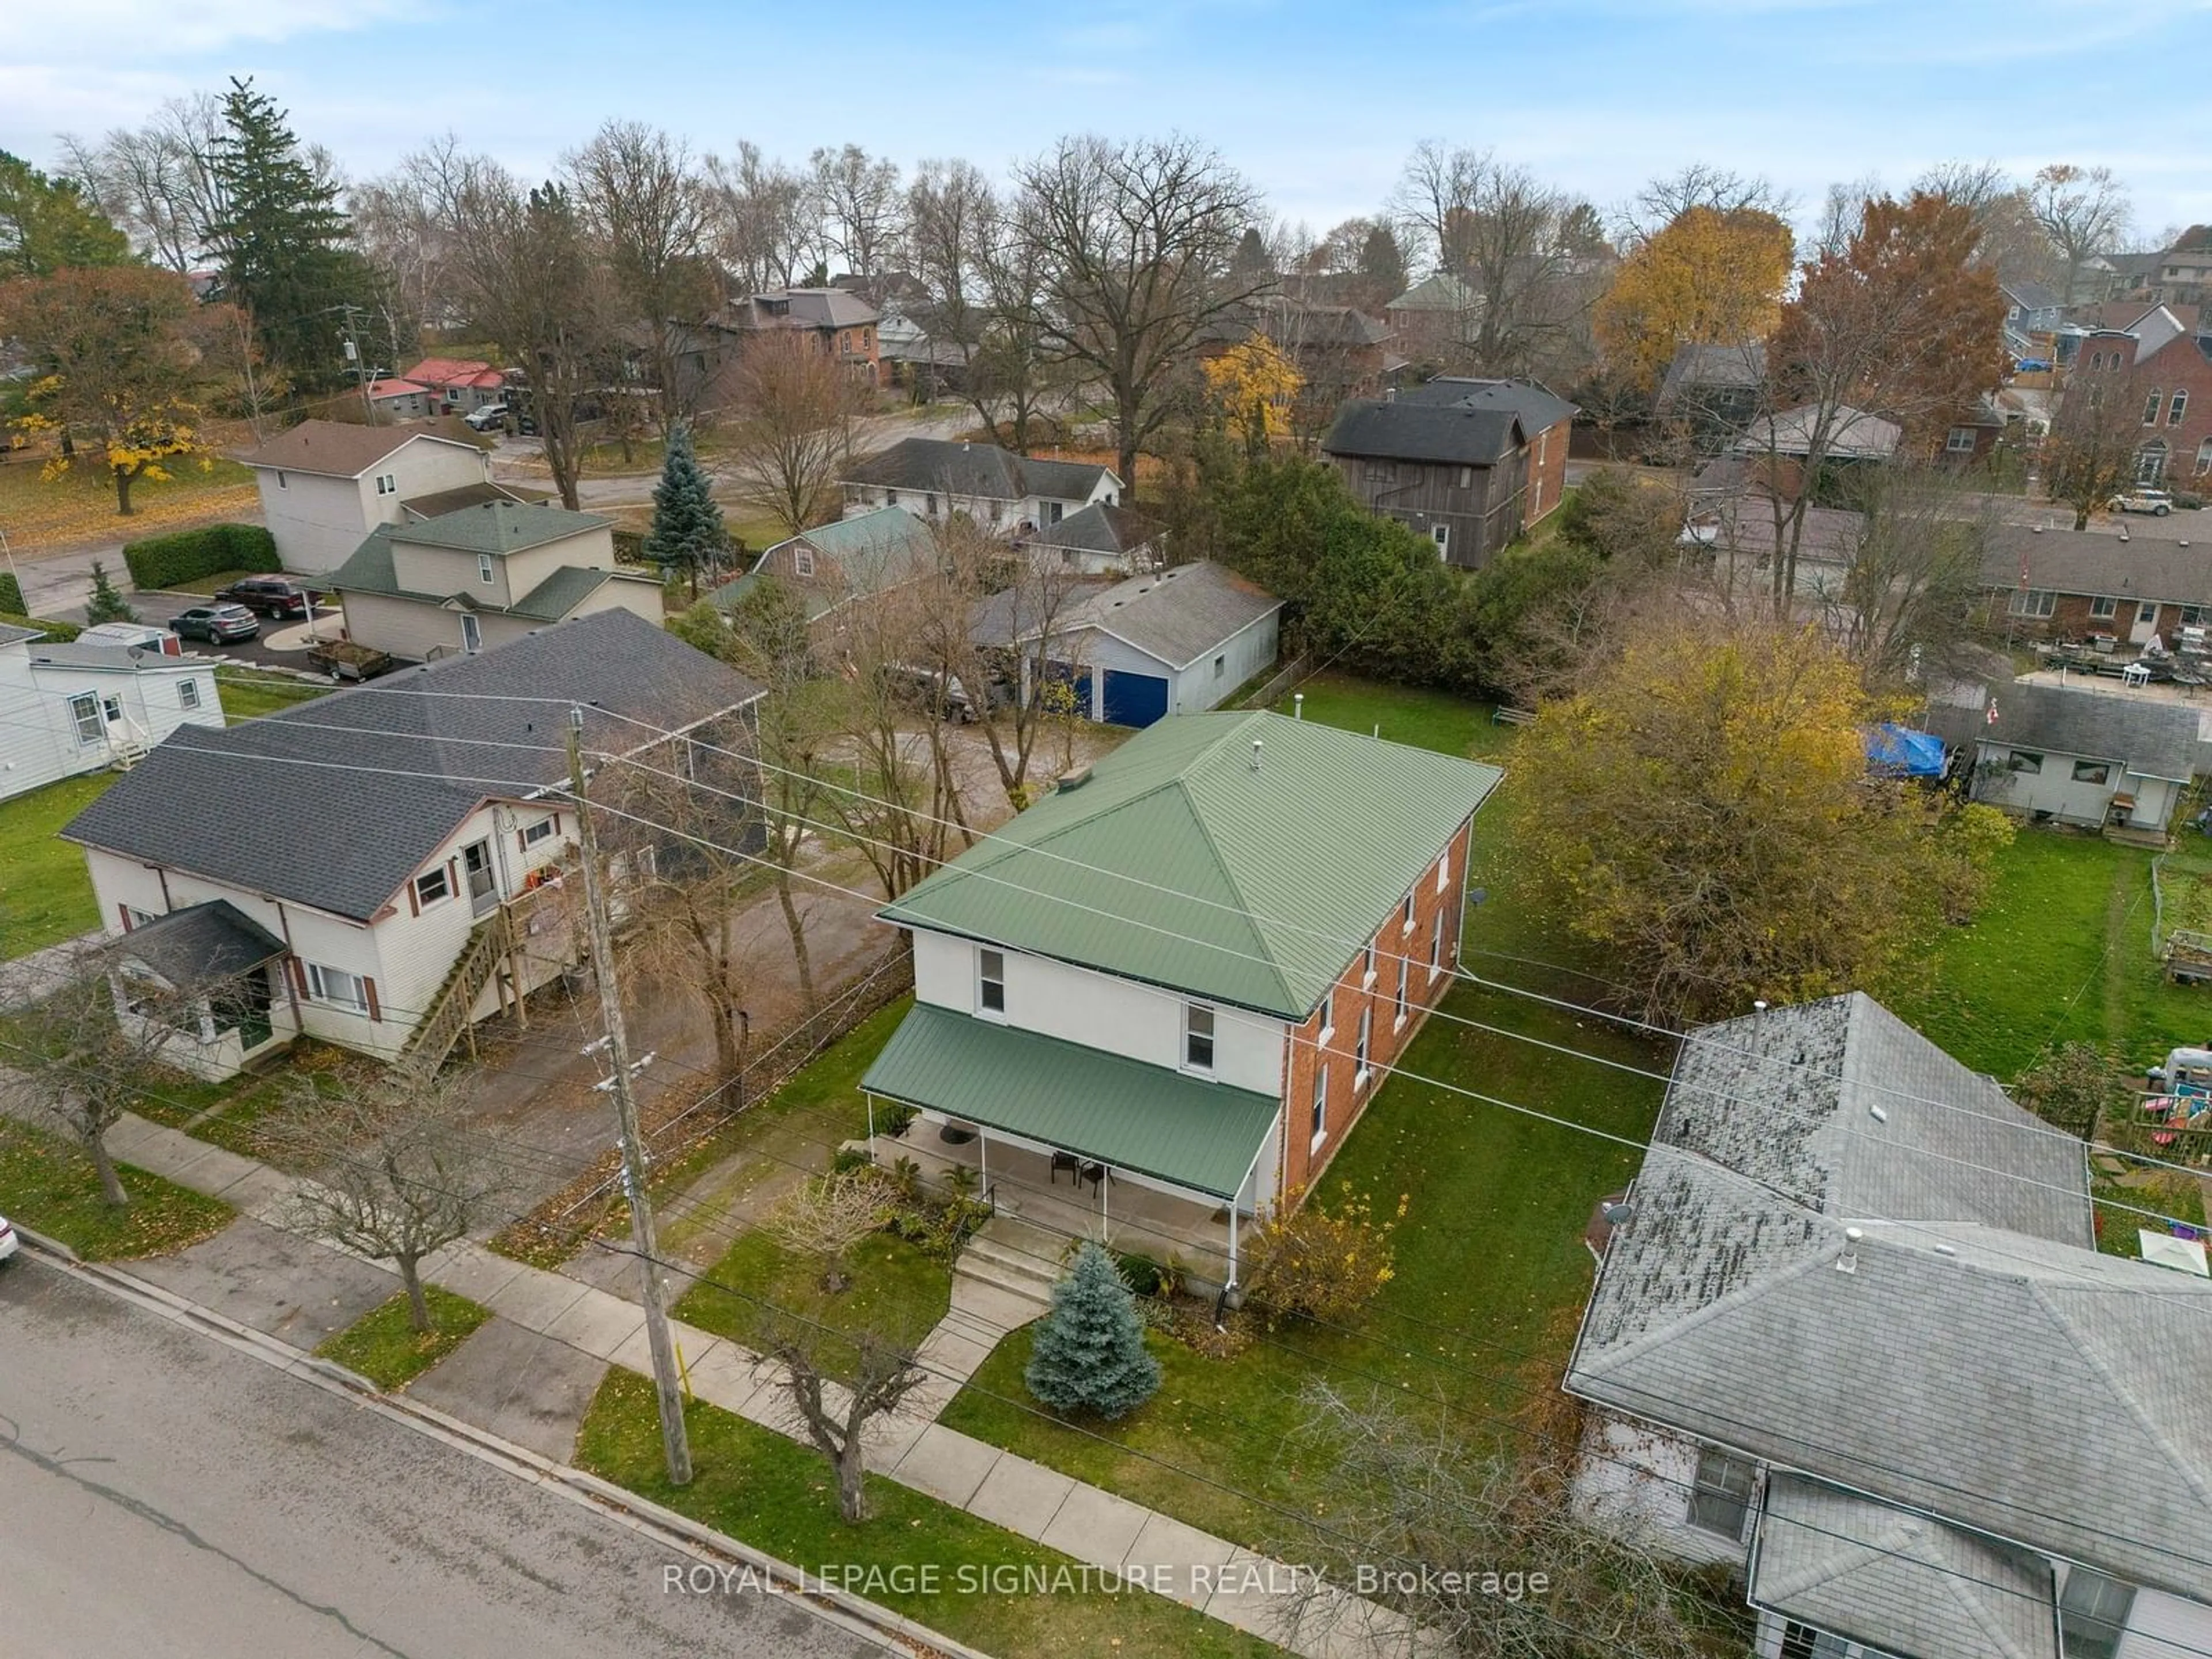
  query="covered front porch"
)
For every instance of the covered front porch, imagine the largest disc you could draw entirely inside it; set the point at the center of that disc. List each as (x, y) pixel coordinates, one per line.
(1082, 1143)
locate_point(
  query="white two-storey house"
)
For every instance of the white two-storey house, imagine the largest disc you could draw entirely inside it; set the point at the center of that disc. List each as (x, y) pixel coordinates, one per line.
(407, 843)
(936, 478)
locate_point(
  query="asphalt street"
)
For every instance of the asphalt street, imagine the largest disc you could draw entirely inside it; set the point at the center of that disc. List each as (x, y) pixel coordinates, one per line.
(160, 1493)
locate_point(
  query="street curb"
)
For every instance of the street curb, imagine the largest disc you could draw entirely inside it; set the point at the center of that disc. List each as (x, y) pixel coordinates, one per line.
(857, 1616)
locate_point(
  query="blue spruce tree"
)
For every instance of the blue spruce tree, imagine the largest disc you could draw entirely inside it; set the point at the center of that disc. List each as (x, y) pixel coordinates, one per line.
(687, 530)
(1089, 1352)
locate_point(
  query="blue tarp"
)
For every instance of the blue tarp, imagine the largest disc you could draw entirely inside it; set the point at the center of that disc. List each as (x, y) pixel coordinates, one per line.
(1904, 753)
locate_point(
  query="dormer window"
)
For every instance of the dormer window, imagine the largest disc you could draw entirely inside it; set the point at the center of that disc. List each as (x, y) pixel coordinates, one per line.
(1198, 1036)
(990, 982)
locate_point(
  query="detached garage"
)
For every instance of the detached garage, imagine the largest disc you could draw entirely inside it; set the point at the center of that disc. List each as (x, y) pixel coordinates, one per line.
(1176, 642)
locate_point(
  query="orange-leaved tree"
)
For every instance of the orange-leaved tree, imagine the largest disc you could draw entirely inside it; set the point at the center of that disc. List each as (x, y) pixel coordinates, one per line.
(121, 352)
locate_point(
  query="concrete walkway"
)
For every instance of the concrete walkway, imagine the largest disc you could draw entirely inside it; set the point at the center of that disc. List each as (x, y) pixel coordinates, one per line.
(30, 979)
(1096, 1527)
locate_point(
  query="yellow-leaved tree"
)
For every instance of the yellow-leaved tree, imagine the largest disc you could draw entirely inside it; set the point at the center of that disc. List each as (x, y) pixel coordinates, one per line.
(123, 355)
(1707, 817)
(1255, 387)
(1708, 277)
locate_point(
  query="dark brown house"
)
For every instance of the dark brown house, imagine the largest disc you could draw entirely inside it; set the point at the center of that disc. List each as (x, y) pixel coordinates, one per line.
(1470, 464)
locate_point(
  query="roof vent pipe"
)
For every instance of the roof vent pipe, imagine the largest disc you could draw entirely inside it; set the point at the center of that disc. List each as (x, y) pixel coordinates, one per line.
(1848, 1262)
(1256, 754)
(1298, 698)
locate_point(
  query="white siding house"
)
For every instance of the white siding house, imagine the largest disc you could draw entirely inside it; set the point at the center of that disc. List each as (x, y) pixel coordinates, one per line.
(72, 709)
(2079, 756)
(998, 491)
(408, 851)
(325, 484)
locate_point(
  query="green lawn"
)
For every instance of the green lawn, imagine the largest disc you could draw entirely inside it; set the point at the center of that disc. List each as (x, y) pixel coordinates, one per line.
(385, 1347)
(896, 1289)
(1492, 1268)
(46, 893)
(780, 1496)
(2060, 953)
(238, 1113)
(48, 1186)
(246, 695)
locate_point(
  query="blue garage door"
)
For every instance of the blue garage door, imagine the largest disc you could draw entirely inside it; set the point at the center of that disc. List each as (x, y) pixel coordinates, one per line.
(1134, 699)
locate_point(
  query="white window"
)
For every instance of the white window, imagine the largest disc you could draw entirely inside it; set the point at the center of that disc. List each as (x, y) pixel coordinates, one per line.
(991, 981)
(2150, 407)
(1436, 949)
(1406, 913)
(802, 559)
(541, 830)
(1367, 965)
(337, 988)
(2023, 760)
(2104, 608)
(1467, 478)
(431, 886)
(283, 483)
(1960, 441)
(1220, 666)
(1359, 1054)
(1721, 1496)
(84, 708)
(134, 917)
(1328, 1019)
(2204, 456)
(2150, 462)
(2174, 406)
(2033, 602)
(1442, 534)
(1444, 872)
(1319, 1104)
(484, 569)
(2093, 1613)
(2147, 612)
(1198, 1036)
(387, 485)
(472, 633)
(188, 694)
(1405, 963)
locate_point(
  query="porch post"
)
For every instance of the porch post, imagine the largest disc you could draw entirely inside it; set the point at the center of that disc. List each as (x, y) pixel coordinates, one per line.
(1231, 1284)
(871, 1099)
(1105, 1173)
(983, 1157)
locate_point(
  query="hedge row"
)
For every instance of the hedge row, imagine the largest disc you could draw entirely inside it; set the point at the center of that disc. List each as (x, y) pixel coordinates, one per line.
(11, 596)
(188, 554)
(57, 633)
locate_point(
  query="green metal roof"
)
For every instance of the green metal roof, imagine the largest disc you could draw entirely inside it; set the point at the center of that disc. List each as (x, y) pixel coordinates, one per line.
(1121, 1112)
(1179, 864)
(500, 527)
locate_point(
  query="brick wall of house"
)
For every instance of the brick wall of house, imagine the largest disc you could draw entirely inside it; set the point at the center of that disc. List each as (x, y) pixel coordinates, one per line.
(2074, 615)
(2183, 365)
(1436, 918)
(1547, 471)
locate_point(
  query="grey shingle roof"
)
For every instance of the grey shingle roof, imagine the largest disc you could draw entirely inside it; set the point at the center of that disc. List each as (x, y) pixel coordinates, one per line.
(964, 469)
(335, 803)
(565, 589)
(201, 944)
(1897, 1582)
(499, 527)
(1708, 367)
(1539, 407)
(442, 501)
(1179, 615)
(2097, 562)
(2152, 740)
(1400, 431)
(1098, 528)
(1979, 1360)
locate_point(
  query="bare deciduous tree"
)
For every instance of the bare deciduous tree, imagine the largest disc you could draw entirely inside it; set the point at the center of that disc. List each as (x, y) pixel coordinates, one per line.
(1912, 573)
(1407, 1493)
(952, 220)
(2081, 209)
(823, 1218)
(410, 223)
(1697, 185)
(2090, 454)
(397, 1172)
(792, 434)
(1132, 244)
(529, 276)
(863, 209)
(158, 181)
(765, 219)
(837, 1386)
(638, 189)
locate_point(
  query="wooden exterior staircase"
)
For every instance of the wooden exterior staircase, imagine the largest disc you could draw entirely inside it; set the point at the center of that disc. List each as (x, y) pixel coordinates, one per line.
(447, 1022)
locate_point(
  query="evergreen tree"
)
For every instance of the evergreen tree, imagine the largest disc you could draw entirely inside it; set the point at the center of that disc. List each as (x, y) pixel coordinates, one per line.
(1089, 1352)
(46, 224)
(687, 529)
(1381, 265)
(107, 605)
(281, 240)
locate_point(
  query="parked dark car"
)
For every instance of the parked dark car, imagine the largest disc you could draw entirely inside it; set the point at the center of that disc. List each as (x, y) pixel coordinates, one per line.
(218, 625)
(269, 596)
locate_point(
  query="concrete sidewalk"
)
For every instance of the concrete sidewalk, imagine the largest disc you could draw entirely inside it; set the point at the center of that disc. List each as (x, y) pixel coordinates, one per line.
(1093, 1526)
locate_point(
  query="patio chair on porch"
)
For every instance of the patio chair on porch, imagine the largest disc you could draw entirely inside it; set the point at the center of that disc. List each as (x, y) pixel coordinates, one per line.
(1069, 1162)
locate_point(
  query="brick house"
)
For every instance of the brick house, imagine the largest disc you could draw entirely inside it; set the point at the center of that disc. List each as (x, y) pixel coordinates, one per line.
(1185, 969)
(2069, 584)
(2174, 366)
(843, 324)
(1470, 464)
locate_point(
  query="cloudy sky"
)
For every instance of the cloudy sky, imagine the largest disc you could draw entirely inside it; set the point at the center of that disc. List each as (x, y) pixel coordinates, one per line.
(1318, 102)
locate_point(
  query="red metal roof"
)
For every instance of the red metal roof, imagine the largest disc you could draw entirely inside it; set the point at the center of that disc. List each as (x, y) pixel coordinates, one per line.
(455, 371)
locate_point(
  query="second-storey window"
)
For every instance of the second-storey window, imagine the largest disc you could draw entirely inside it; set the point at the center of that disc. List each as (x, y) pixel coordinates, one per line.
(1721, 1496)
(1403, 965)
(1359, 1054)
(1327, 1016)
(1319, 1104)
(1405, 913)
(1198, 1036)
(483, 568)
(1436, 949)
(431, 886)
(534, 833)
(991, 981)
(1367, 964)
(188, 694)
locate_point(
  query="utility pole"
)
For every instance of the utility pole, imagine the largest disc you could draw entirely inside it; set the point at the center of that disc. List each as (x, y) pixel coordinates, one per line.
(667, 1384)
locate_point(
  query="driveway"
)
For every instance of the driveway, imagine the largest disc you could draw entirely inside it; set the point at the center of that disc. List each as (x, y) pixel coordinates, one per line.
(281, 643)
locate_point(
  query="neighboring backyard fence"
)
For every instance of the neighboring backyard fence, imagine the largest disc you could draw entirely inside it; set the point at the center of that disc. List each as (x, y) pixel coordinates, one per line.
(570, 1213)
(1285, 678)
